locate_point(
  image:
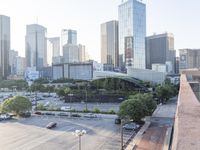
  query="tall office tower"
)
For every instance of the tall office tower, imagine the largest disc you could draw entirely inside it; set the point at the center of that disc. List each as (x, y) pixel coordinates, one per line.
(4, 46)
(189, 58)
(36, 46)
(20, 65)
(68, 37)
(53, 49)
(82, 53)
(160, 50)
(132, 32)
(109, 43)
(12, 61)
(70, 53)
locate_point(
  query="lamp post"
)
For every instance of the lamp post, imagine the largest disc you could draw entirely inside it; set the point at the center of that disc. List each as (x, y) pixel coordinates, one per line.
(70, 95)
(79, 133)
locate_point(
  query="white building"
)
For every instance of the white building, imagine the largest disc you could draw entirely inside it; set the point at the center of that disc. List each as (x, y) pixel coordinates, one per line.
(147, 75)
(36, 46)
(159, 67)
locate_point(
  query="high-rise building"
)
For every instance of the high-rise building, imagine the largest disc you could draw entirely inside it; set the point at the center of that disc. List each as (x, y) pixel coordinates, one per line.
(109, 43)
(36, 46)
(160, 50)
(4, 46)
(53, 49)
(132, 32)
(68, 37)
(70, 53)
(189, 58)
(82, 53)
(20, 65)
(12, 61)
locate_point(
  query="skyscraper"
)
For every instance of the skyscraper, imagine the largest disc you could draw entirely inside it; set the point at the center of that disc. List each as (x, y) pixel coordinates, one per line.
(160, 50)
(109, 43)
(4, 45)
(53, 49)
(68, 36)
(132, 32)
(36, 46)
(12, 61)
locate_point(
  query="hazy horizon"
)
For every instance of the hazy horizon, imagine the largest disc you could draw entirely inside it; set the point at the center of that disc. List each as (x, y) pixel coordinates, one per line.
(86, 16)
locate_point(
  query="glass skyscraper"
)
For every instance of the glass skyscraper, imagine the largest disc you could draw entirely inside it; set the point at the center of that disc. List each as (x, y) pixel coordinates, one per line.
(36, 46)
(4, 46)
(132, 32)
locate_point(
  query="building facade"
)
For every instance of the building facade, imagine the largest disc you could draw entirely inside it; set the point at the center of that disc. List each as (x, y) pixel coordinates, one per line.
(53, 49)
(71, 53)
(20, 66)
(82, 53)
(68, 36)
(36, 46)
(4, 46)
(12, 61)
(109, 43)
(189, 58)
(160, 50)
(79, 71)
(132, 32)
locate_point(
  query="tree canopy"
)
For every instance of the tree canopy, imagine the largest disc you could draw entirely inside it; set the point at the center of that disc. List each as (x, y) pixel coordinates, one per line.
(165, 92)
(17, 104)
(137, 107)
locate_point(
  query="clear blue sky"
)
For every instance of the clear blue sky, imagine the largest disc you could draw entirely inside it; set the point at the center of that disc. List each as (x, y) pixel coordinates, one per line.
(180, 17)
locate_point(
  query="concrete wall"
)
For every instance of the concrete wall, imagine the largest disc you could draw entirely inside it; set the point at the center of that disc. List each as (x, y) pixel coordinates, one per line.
(187, 120)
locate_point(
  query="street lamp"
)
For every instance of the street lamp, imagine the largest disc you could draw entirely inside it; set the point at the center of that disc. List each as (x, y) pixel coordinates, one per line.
(79, 133)
(70, 95)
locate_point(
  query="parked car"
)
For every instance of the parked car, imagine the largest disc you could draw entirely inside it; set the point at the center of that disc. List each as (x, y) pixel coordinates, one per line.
(51, 125)
(90, 115)
(5, 117)
(63, 114)
(76, 115)
(50, 113)
(117, 120)
(65, 108)
(38, 113)
(131, 126)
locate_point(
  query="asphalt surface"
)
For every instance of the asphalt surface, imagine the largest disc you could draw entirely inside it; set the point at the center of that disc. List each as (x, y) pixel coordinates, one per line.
(31, 134)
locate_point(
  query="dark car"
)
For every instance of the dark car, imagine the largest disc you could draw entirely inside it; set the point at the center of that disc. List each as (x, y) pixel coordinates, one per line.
(50, 113)
(117, 121)
(51, 125)
(38, 113)
(76, 115)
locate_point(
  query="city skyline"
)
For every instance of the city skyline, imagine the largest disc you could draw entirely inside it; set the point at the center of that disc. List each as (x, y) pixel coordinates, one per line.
(87, 23)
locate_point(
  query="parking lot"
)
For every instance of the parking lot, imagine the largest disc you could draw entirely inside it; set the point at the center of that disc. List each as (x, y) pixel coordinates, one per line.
(31, 134)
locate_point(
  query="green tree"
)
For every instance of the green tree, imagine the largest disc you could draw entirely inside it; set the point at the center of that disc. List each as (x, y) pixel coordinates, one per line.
(17, 104)
(148, 101)
(132, 109)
